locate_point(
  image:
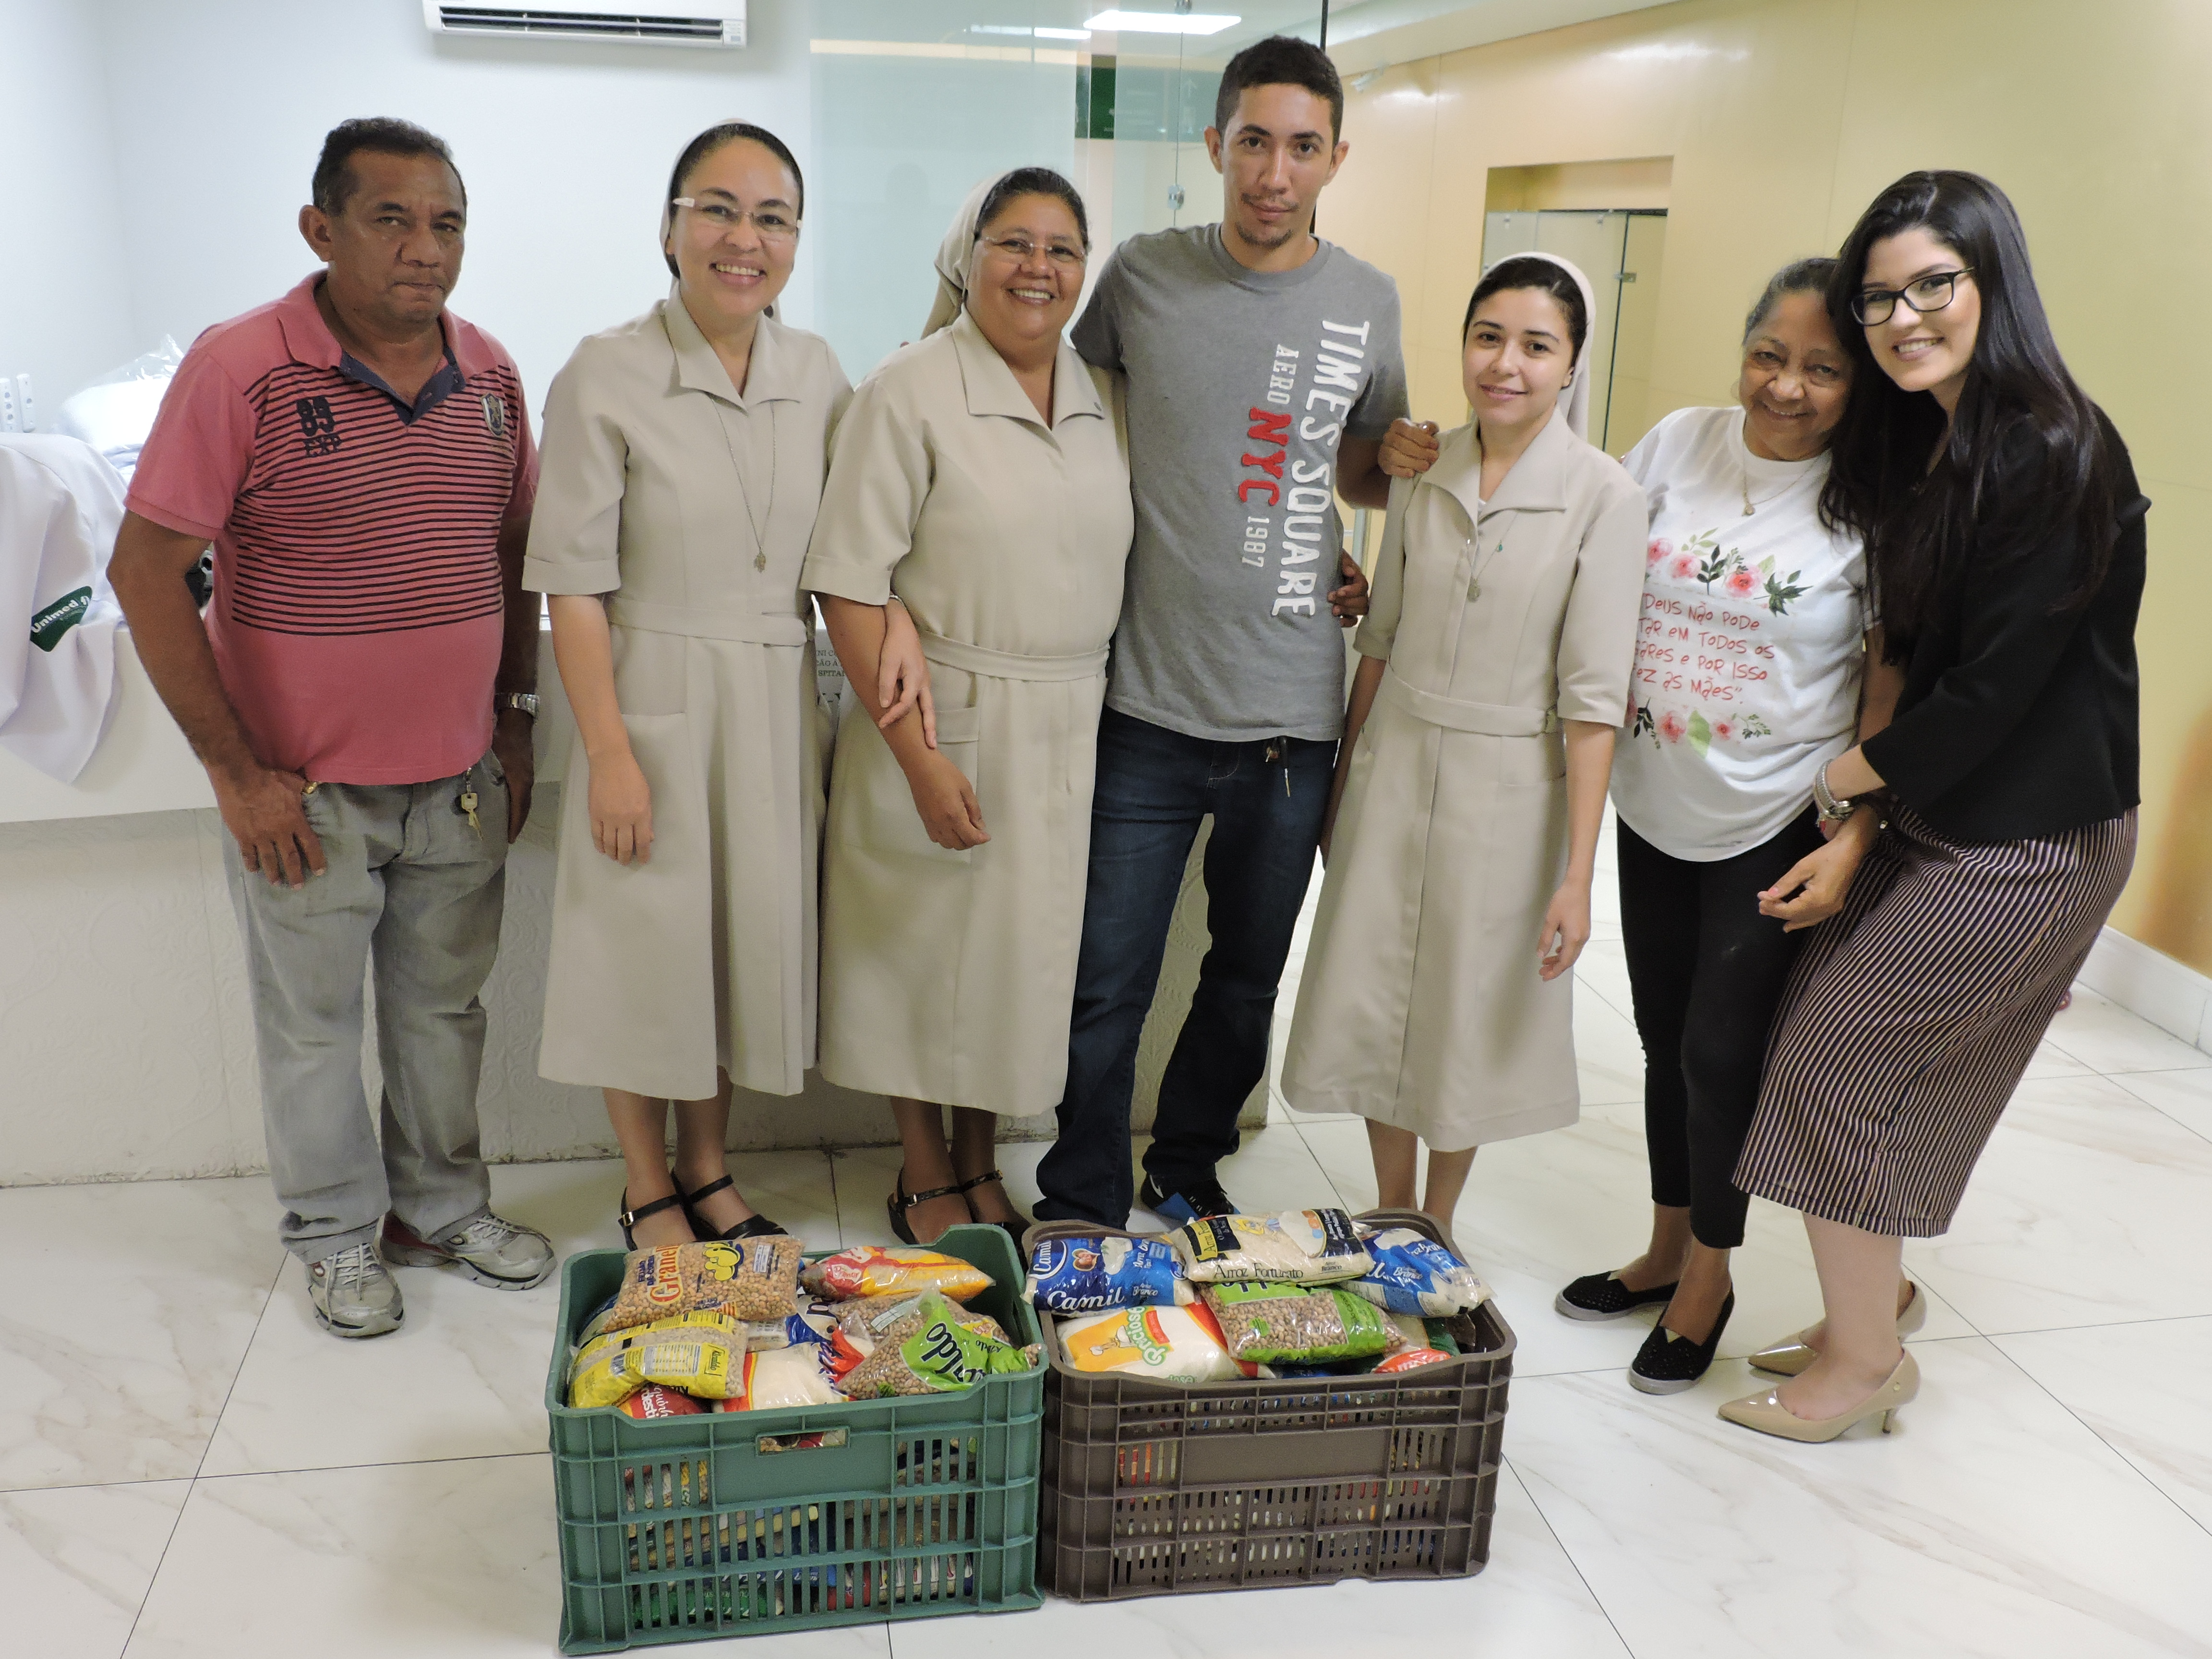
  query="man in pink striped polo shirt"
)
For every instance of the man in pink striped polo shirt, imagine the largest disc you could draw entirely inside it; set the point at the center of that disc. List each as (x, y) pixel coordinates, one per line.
(361, 692)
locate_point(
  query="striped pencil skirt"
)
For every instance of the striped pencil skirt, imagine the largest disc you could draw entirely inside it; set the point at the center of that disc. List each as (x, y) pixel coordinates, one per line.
(1911, 1015)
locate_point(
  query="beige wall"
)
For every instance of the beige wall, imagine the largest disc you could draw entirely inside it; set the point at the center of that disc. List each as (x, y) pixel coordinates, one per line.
(1781, 119)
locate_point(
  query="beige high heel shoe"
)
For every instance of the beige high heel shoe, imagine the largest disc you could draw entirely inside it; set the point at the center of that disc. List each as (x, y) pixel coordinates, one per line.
(1791, 1357)
(1766, 1413)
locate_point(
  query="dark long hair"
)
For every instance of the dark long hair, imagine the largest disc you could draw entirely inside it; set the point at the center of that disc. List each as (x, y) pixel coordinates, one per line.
(1919, 524)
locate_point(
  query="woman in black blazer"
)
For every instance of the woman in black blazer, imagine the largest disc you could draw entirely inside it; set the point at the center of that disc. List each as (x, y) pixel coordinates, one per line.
(2005, 539)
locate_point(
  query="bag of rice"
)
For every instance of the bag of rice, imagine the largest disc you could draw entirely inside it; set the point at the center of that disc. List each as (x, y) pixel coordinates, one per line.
(1414, 1274)
(1297, 1247)
(884, 1371)
(1088, 1275)
(1167, 1344)
(783, 1376)
(1277, 1324)
(752, 1279)
(947, 1349)
(873, 1270)
(699, 1353)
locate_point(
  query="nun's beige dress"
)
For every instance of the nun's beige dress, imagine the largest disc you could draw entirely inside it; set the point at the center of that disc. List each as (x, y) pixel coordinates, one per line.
(949, 975)
(1419, 1004)
(690, 506)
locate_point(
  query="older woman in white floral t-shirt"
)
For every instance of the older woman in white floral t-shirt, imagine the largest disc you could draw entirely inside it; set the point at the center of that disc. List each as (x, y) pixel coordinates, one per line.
(1747, 678)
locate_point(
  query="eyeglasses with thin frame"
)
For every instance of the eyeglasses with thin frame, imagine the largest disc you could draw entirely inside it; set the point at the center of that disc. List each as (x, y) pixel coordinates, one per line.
(1921, 295)
(772, 223)
(1021, 251)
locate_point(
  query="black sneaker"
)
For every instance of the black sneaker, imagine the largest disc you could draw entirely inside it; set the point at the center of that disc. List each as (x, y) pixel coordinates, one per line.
(1187, 1203)
(1668, 1363)
(1602, 1296)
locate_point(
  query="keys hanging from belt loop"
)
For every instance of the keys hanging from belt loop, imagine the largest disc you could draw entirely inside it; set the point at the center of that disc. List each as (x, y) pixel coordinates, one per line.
(467, 803)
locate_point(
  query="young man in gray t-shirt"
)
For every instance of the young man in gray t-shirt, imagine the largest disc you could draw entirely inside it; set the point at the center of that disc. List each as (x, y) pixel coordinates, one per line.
(1263, 371)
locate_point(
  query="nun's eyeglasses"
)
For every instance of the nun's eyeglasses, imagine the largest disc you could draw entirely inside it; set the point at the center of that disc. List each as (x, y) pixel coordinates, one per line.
(773, 225)
(1921, 295)
(1021, 251)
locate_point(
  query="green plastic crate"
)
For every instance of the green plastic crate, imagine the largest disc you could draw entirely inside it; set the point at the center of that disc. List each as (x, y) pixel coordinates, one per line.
(746, 1523)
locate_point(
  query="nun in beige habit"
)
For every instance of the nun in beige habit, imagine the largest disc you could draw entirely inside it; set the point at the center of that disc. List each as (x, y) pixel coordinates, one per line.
(1435, 999)
(980, 480)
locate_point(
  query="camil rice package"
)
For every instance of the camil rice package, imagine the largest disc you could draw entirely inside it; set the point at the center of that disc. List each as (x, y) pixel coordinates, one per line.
(1276, 1324)
(1297, 1247)
(873, 1270)
(1165, 1344)
(1414, 1274)
(752, 1279)
(1086, 1275)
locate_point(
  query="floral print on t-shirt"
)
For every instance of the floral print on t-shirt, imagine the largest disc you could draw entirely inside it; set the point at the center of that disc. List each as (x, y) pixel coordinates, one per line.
(1702, 647)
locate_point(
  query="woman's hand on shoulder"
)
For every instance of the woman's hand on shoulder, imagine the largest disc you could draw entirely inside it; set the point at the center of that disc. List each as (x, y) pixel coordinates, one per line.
(1409, 448)
(1816, 886)
(946, 803)
(620, 806)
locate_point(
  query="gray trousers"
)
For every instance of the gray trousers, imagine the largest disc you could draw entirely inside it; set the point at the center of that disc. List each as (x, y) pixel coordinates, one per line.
(414, 892)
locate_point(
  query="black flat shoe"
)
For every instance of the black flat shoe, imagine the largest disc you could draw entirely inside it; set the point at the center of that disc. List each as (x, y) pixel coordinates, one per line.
(630, 1217)
(1602, 1296)
(753, 1226)
(1013, 1229)
(1668, 1363)
(902, 1200)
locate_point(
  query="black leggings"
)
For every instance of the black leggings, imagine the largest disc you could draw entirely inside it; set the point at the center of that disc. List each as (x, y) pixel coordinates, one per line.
(1707, 972)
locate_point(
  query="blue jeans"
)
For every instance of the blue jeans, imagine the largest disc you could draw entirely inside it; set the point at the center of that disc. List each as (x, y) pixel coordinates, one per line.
(1154, 788)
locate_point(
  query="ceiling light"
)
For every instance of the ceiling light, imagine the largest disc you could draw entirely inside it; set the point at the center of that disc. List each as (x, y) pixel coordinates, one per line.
(1063, 34)
(1162, 22)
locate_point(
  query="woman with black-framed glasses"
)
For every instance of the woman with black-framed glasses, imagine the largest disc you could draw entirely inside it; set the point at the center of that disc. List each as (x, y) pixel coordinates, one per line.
(2006, 544)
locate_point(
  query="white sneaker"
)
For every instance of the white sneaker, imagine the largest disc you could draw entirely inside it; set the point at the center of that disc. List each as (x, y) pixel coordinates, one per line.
(490, 1249)
(354, 1294)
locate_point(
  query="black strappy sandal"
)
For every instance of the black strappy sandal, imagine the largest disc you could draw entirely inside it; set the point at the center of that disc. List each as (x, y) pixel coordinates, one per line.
(630, 1217)
(753, 1226)
(1013, 1229)
(900, 1201)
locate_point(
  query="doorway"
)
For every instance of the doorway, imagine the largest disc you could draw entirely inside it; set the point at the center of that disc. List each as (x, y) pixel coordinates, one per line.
(1621, 251)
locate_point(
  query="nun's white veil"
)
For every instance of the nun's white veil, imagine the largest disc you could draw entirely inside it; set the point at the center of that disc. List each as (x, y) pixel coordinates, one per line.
(1576, 399)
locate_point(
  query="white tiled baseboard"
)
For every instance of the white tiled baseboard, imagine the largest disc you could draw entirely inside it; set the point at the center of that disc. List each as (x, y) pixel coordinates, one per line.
(2170, 994)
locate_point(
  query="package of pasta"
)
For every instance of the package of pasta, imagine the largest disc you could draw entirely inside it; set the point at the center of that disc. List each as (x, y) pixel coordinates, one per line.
(696, 1353)
(1278, 1324)
(1165, 1344)
(1088, 1275)
(653, 1402)
(873, 1270)
(752, 1279)
(943, 1349)
(886, 1369)
(1414, 1274)
(1297, 1247)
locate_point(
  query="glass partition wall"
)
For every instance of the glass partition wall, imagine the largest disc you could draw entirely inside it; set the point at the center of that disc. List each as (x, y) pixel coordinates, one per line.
(916, 101)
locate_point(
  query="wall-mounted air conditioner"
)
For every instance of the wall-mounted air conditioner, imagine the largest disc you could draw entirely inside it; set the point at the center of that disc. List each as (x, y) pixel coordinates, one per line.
(679, 23)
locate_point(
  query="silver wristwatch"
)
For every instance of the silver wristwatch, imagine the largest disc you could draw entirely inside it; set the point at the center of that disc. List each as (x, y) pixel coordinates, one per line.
(1832, 807)
(526, 701)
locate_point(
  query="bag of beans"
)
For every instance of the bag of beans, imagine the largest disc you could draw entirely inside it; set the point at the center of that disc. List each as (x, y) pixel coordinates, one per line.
(1278, 1324)
(1297, 1247)
(938, 1348)
(752, 1279)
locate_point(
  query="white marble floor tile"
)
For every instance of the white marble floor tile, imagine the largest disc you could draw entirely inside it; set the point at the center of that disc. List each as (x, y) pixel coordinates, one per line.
(1609, 1055)
(1992, 1523)
(2142, 1388)
(2088, 1208)
(2051, 1060)
(2185, 1096)
(2107, 1037)
(405, 1560)
(1529, 1601)
(1602, 968)
(74, 1563)
(129, 1306)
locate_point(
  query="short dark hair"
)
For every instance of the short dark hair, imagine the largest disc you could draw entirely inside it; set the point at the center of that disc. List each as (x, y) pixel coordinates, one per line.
(728, 133)
(1523, 271)
(383, 135)
(1811, 276)
(1280, 60)
(1035, 181)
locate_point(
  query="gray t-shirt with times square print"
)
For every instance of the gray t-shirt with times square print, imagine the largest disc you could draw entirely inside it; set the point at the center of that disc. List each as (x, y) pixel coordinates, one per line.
(1242, 384)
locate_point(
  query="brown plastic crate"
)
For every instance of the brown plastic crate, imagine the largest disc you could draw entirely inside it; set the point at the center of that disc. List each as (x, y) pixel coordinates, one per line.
(1159, 1488)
